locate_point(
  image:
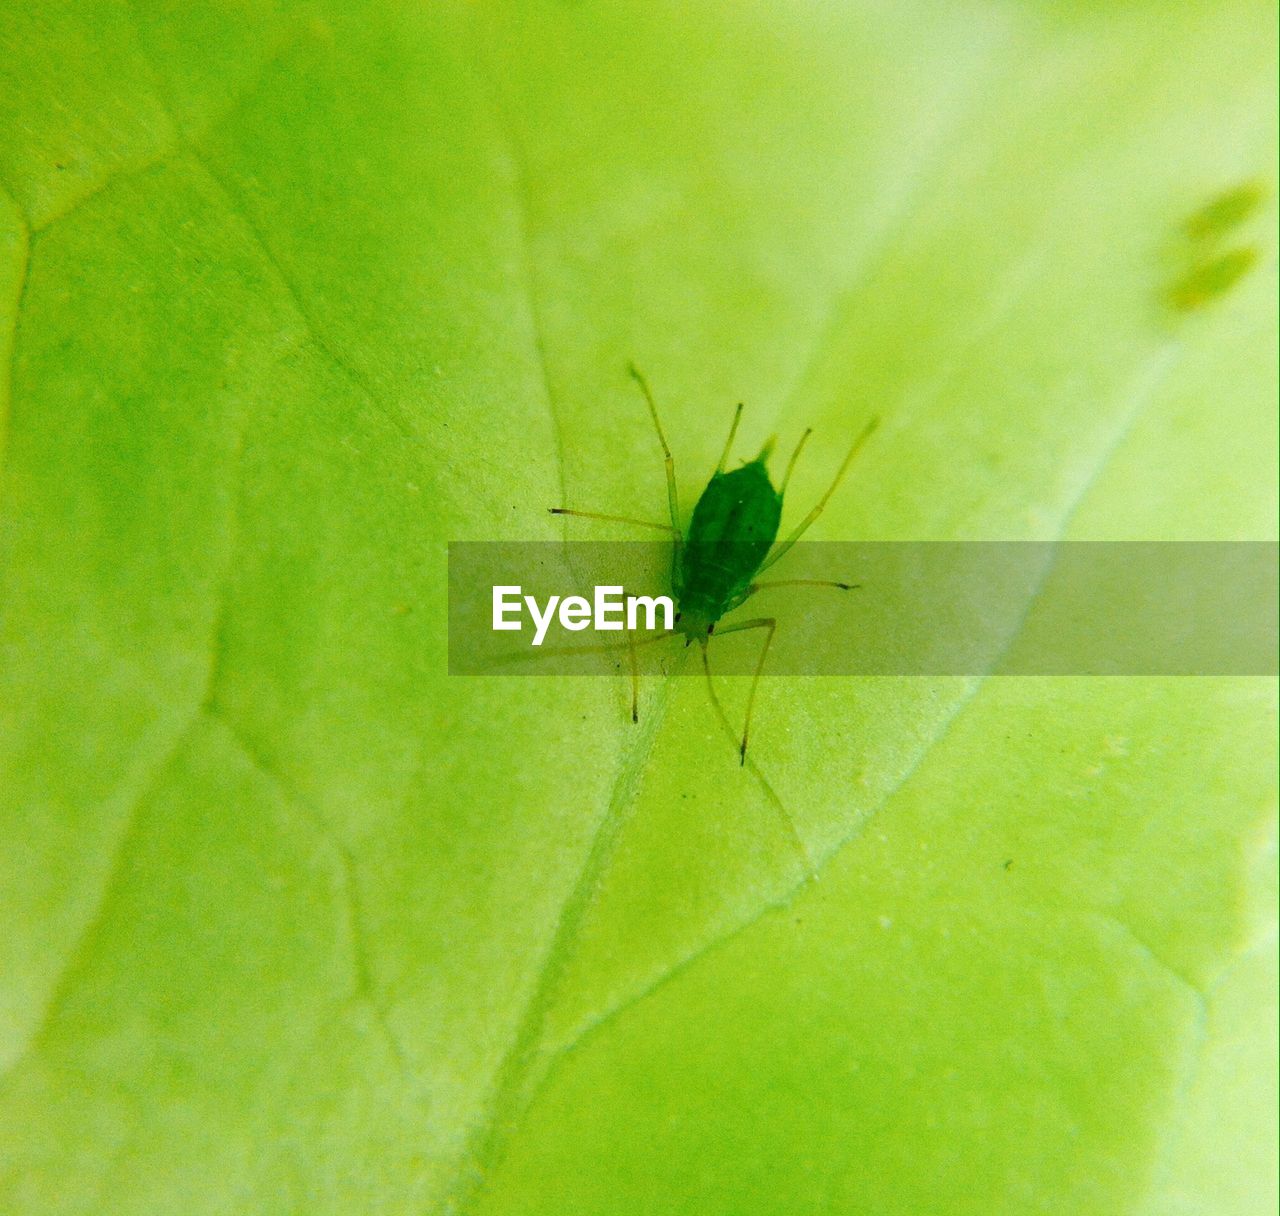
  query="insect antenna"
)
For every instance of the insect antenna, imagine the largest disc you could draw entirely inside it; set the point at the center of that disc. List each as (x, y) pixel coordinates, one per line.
(728, 443)
(791, 464)
(822, 502)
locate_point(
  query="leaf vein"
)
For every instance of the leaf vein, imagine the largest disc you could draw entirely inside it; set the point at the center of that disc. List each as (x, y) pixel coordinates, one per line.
(20, 297)
(509, 1091)
(82, 951)
(347, 886)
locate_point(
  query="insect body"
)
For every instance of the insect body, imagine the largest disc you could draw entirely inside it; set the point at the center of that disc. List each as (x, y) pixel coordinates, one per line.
(733, 528)
(731, 540)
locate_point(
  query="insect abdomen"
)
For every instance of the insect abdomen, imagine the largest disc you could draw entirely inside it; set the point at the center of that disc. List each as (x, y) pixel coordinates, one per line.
(733, 528)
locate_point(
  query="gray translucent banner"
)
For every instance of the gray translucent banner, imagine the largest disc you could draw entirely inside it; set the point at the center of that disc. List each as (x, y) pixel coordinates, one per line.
(929, 609)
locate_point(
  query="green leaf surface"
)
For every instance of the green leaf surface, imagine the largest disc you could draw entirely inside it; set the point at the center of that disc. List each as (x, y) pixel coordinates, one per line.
(295, 294)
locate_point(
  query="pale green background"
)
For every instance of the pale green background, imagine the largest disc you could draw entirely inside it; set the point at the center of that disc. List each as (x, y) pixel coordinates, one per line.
(294, 295)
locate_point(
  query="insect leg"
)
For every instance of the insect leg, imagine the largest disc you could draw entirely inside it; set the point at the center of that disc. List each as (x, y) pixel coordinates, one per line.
(617, 519)
(635, 676)
(668, 459)
(762, 622)
(711, 692)
(787, 582)
(822, 502)
(635, 670)
(799, 582)
(673, 504)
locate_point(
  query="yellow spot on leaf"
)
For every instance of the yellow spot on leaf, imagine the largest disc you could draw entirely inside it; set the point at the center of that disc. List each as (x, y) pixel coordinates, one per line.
(1212, 279)
(1225, 212)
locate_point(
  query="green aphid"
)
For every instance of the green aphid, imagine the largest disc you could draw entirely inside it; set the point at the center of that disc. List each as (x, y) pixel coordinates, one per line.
(731, 541)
